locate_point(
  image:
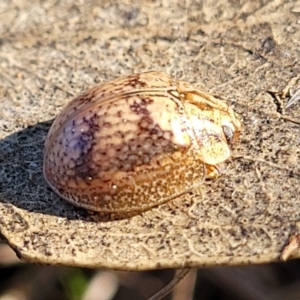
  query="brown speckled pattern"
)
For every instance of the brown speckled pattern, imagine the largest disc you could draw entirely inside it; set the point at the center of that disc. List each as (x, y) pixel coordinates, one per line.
(135, 142)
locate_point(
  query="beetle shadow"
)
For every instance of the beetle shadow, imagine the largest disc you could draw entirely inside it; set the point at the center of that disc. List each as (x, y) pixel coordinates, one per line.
(22, 183)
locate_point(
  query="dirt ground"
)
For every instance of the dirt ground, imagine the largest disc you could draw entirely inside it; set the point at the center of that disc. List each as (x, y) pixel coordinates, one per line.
(246, 53)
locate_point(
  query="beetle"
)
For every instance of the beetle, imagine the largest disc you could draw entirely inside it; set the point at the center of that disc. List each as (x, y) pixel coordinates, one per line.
(135, 142)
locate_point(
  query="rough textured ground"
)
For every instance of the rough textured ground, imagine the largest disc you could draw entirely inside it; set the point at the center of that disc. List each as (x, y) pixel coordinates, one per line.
(246, 53)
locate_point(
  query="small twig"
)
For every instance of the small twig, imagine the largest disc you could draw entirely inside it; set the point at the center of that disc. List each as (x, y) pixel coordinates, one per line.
(180, 274)
(294, 99)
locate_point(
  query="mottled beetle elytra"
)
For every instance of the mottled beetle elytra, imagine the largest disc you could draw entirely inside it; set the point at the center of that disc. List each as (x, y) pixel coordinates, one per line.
(136, 142)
